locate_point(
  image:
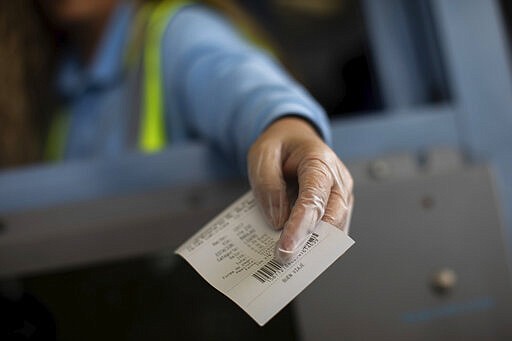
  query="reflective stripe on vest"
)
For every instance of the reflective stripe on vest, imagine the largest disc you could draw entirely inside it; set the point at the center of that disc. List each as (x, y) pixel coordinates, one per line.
(57, 136)
(152, 130)
(152, 135)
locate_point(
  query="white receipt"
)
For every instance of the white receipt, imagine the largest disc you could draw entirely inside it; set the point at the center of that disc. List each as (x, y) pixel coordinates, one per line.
(234, 253)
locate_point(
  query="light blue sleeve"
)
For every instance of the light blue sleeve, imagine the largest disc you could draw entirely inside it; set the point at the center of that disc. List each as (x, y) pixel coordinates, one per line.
(226, 90)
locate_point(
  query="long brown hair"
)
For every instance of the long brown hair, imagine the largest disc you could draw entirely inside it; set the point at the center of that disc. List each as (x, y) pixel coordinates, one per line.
(25, 55)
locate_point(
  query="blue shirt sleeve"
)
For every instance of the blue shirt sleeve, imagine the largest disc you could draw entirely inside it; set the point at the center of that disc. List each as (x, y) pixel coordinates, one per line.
(225, 90)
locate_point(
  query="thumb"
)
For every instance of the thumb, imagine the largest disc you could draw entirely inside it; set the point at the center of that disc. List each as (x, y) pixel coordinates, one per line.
(315, 182)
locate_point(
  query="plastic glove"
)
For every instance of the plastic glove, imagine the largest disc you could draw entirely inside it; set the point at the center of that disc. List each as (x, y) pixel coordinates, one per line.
(290, 153)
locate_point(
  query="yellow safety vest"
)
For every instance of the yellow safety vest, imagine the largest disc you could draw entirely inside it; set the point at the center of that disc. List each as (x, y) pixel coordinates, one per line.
(152, 135)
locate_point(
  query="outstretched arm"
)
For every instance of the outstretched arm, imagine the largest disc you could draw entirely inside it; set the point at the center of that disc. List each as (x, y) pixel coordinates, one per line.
(239, 98)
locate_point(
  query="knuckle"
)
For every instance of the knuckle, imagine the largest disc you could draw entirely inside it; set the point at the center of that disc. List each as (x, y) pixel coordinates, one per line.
(336, 218)
(330, 219)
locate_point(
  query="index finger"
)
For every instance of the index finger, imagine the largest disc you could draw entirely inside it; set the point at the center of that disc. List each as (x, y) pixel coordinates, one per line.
(315, 182)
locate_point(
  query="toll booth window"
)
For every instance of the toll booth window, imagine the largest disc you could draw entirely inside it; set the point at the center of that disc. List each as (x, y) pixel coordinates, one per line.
(338, 50)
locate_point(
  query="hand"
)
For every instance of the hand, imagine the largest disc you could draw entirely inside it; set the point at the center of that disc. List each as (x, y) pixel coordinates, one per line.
(290, 152)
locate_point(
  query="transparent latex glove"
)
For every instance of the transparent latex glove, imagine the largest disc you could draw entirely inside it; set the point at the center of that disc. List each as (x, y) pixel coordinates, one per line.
(298, 181)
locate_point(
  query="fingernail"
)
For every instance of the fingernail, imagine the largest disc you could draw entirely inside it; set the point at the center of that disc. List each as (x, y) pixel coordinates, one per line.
(288, 248)
(285, 248)
(283, 256)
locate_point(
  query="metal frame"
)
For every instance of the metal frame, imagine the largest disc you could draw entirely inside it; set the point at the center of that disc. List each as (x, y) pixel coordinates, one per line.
(474, 48)
(53, 185)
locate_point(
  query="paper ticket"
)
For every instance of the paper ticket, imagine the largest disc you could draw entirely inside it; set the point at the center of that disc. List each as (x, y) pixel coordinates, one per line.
(235, 254)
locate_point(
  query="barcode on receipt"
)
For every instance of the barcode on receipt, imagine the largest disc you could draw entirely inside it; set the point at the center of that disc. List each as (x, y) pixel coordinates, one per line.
(269, 271)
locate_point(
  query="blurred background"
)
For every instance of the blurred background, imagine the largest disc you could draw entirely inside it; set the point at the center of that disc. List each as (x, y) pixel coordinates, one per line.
(419, 94)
